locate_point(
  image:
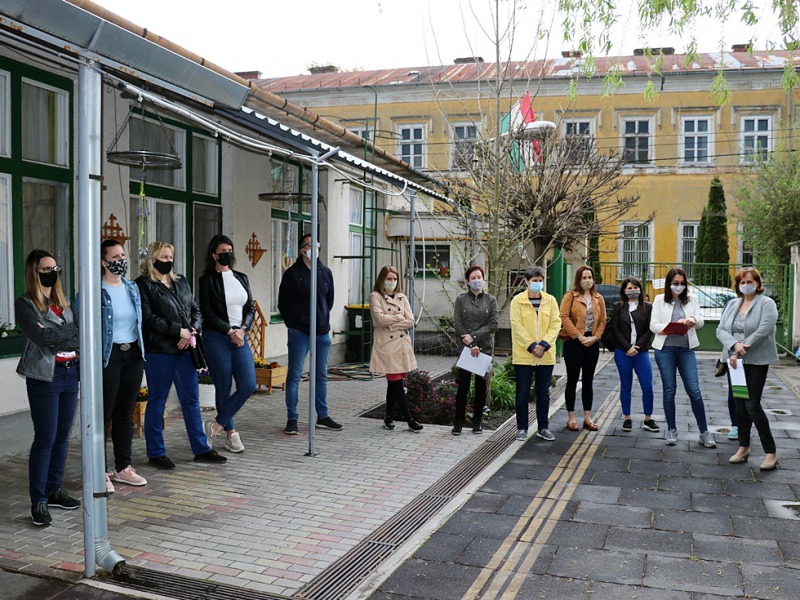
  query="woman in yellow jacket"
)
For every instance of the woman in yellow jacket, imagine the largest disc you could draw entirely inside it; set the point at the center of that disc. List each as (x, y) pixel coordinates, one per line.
(535, 323)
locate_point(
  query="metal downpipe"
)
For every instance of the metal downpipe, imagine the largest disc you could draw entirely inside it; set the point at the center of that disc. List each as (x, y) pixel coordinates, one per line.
(97, 548)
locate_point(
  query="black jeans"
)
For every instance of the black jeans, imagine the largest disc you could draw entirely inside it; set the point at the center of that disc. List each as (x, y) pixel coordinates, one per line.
(463, 378)
(577, 358)
(749, 411)
(122, 378)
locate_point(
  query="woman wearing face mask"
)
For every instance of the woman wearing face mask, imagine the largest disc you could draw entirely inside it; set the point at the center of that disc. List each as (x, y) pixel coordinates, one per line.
(747, 333)
(123, 365)
(535, 323)
(630, 327)
(227, 308)
(476, 317)
(49, 363)
(392, 352)
(583, 320)
(170, 318)
(675, 352)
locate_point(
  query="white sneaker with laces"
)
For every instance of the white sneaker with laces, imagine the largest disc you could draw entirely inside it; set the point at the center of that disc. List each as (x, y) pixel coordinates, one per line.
(128, 476)
(234, 443)
(109, 486)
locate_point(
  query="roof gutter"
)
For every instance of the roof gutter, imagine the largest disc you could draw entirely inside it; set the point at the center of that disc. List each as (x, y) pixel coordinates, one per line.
(256, 97)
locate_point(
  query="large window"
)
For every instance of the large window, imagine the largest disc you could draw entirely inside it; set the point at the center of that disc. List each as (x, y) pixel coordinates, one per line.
(578, 135)
(207, 224)
(636, 140)
(159, 220)
(696, 142)
(46, 219)
(412, 145)
(432, 260)
(156, 136)
(465, 136)
(687, 245)
(45, 124)
(756, 139)
(6, 253)
(635, 250)
(362, 240)
(205, 165)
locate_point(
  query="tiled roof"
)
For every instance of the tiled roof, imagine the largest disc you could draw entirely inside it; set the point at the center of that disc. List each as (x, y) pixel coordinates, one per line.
(557, 67)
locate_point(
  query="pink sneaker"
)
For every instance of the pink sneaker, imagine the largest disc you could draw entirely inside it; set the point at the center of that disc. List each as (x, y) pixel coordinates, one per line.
(129, 476)
(109, 486)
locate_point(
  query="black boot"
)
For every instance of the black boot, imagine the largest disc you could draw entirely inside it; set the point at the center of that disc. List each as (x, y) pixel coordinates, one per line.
(457, 427)
(402, 402)
(388, 422)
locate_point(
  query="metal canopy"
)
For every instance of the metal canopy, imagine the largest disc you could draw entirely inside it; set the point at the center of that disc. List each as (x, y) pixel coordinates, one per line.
(308, 144)
(79, 27)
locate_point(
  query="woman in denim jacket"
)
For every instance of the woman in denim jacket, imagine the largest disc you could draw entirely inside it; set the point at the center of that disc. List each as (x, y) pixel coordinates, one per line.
(49, 363)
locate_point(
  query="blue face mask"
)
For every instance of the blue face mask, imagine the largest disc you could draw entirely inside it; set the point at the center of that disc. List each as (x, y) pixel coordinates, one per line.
(536, 286)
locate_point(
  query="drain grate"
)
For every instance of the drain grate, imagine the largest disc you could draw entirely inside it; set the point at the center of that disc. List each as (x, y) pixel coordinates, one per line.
(343, 576)
(182, 587)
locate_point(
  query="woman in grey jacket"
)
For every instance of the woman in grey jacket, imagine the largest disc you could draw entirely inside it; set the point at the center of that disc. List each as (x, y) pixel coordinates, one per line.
(476, 317)
(747, 333)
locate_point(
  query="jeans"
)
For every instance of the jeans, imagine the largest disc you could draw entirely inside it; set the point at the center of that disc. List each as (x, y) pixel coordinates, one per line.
(122, 378)
(577, 358)
(52, 405)
(626, 365)
(162, 371)
(226, 361)
(299, 344)
(525, 374)
(673, 358)
(463, 379)
(749, 411)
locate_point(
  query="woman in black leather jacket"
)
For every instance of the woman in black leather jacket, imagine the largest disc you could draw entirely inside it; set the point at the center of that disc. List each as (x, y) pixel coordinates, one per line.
(629, 328)
(227, 307)
(170, 320)
(49, 363)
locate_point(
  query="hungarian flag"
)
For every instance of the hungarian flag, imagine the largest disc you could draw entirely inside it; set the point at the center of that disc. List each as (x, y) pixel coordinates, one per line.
(520, 115)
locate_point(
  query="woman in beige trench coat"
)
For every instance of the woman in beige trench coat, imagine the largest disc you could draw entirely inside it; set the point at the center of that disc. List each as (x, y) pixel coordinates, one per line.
(392, 351)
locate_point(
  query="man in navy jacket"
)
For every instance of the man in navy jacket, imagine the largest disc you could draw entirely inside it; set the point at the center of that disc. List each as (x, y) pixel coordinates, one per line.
(293, 304)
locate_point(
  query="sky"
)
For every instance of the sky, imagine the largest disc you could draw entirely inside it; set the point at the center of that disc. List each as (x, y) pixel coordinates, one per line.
(282, 38)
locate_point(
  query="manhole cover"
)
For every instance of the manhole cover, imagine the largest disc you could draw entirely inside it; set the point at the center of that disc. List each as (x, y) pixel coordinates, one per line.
(778, 411)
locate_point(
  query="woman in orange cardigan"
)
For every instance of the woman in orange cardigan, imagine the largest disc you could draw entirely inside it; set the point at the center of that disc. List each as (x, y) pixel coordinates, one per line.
(583, 320)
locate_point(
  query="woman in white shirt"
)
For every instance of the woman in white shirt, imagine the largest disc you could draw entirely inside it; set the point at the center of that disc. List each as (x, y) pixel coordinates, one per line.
(227, 307)
(674, 352)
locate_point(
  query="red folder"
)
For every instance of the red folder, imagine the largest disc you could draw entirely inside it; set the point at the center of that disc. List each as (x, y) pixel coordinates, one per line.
(675, 328)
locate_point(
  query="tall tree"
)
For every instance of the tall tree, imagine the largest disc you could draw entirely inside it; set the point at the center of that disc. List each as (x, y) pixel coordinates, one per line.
(712, 240)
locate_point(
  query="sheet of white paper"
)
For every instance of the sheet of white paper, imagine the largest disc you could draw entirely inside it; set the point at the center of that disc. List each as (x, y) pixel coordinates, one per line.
(737, 374)
(478, 364)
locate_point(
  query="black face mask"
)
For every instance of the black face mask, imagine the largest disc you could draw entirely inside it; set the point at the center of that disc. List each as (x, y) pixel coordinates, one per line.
(225, 258)
(163, 266)
(48, 280)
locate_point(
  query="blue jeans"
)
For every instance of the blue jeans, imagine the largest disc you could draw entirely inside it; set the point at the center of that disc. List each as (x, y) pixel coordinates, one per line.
(626, 365)
(524, 374)
(52, 405)
(226, 361)
(299, 344)
(162, 371)
(670, 359)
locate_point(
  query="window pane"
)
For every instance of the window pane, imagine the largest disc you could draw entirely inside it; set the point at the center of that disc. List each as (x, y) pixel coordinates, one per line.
(204, 165)
(356, 206)
(46, 223)
(156, 137)
(354, 295)
(44, 124)
(5, 127)
(6, 256)
(280, 258)
(170, 226)
(207, 224)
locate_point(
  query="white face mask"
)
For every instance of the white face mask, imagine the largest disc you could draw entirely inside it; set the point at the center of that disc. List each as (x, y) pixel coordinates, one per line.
(633, 294)
(389, 285)
(587, 284)
(476, 285)
(748, 289)
(312, 255)
(677, 289)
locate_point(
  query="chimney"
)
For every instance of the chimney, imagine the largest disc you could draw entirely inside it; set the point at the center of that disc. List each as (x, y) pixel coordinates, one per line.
(740, 47)
(323, 69)
(468, 59)
(666, 51)
(249, 75)
(570, 53)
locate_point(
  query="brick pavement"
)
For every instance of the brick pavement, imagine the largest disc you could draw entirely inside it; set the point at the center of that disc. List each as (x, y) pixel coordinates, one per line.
(270, 519)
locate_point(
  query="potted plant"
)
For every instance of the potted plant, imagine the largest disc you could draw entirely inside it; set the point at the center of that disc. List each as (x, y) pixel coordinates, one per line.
(11, 340)
(208, 393)
(271, 374)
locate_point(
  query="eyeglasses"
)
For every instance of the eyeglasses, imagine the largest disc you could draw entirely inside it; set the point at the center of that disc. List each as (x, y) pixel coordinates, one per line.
(55, 269)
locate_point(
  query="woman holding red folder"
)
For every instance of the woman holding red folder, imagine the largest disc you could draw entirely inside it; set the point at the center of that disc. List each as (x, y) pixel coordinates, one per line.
(675, 317)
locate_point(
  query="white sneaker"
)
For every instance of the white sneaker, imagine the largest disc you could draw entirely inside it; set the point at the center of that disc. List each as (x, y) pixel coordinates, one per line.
(129, 476)
(707, 439)
(234, 443)
(109, 486)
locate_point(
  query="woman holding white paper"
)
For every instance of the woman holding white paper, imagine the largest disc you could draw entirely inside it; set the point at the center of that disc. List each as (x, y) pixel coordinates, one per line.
(392, 352)
(674, 352)
(747, 333)
(476, 316)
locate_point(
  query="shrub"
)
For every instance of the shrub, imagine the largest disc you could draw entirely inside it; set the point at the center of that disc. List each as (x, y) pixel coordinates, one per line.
(428, 403)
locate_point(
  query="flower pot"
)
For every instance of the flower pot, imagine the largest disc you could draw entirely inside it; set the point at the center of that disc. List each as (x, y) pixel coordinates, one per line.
(208, 397)
(274, 377)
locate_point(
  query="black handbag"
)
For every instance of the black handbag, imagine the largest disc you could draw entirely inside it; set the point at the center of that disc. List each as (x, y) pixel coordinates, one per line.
(197, 353)
(721, 368)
